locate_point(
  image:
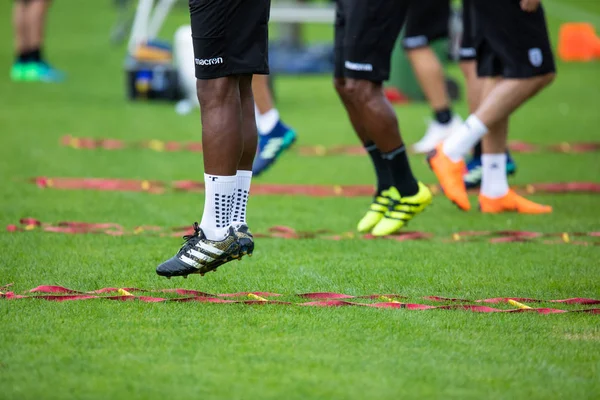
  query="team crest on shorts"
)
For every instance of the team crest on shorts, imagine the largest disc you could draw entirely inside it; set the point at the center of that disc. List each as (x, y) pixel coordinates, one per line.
(536, 58)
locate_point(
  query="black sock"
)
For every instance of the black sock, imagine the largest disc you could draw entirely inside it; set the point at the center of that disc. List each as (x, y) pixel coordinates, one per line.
(443, 116)
(477, 150)
(384, 179)
(23, 57)
(35, 55)
(399, 167)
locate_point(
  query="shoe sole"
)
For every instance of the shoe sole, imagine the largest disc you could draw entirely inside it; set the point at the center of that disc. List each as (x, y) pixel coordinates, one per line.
(211, 267)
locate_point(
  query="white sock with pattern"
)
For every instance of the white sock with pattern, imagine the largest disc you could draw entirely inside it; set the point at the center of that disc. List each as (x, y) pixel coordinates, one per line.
(240, 197)
(218, 202)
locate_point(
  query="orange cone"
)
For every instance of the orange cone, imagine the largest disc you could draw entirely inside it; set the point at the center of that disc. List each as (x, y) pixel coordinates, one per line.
(578, 42)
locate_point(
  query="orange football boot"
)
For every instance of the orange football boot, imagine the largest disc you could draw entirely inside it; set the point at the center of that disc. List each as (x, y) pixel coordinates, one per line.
(511, 202)
(450, 174)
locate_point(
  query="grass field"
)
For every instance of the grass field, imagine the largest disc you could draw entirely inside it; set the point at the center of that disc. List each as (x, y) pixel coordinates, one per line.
(135, 350)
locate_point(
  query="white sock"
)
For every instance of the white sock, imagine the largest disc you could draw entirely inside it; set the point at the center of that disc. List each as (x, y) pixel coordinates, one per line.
(464, 138)
(494, 183)
(240, 197)
(218, 202)
(267, 121)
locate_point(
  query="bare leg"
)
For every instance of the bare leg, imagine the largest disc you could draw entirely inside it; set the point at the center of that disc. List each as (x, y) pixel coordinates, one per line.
(221, 113)
(384, 178)
(262, 93)
(496, 139)
(36, 22)
(474, 84)
(507, 96)
(375, 122)
(249, 132)
(430, 74)
(353, 113)
(22, 43)
(371, 109)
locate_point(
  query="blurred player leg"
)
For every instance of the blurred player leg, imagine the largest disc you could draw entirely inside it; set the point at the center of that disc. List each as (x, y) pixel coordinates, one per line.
(275, 136)
(225, 63)
(427, 21)
(29, 19)
(359, 72)
(468, 66)
(21, 40)
(524, 59)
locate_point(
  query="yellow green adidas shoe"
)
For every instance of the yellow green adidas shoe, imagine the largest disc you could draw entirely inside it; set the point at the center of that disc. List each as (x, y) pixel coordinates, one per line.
(377, 210)
(402, 210)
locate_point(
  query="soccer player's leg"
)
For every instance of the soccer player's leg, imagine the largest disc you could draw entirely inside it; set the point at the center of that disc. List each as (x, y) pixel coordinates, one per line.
(427, 21)
(224, 66)
(381, 200)
(275, 136)
(244, 173)
(528, 67)
(474, 84)
(29, 20)
(360, 71)
(524, 59)
(495, 195)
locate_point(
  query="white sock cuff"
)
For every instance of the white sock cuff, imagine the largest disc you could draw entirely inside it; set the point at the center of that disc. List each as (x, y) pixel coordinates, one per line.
(219, 178)
(491, 158)
(243, 173)
(476, 125)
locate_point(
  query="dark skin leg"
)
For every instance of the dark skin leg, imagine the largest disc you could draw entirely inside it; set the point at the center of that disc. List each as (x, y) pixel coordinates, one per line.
(353, 115)
(249, 133)
(221, 114)
(368, 107)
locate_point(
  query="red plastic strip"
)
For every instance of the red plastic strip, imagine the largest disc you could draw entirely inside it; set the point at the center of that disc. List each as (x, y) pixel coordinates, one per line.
(284, 232)
(316, 150)
(157, 187)
(61, 293)
(319, 303)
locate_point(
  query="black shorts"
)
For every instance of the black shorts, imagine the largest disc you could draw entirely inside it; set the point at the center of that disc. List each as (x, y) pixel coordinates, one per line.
(365, 34)
(230, 37)
(467, 45)
(427, 20)
(510, 42)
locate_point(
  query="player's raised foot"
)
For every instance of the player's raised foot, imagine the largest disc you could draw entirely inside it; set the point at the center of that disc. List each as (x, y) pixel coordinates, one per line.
(402, 210)
(377, 210)
(245, 239)
(511, 202)
(200, 255)
(474, 172)
(450, 176)
(271, 145)
(435, 134)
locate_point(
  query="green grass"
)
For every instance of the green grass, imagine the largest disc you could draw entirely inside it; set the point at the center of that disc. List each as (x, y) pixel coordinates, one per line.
(103, 349)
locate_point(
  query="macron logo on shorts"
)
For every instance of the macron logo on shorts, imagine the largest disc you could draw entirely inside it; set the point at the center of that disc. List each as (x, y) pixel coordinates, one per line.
(358, 66)
(208, 61)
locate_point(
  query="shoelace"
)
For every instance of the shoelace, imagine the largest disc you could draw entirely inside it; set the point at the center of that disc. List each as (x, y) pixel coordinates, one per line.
(189, 239)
